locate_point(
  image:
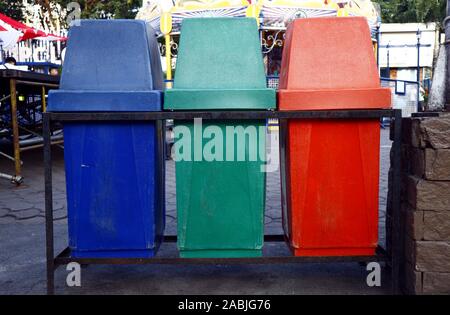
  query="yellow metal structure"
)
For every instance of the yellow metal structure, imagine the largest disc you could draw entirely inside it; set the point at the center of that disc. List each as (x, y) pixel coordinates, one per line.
(15, 127)
(166, 28)
(44, 100)
(343, 12)
(253, 11)
(207, 4)
(18, 86)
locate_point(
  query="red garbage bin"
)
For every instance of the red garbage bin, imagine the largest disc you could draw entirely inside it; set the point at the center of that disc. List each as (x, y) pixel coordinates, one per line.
(330, 202)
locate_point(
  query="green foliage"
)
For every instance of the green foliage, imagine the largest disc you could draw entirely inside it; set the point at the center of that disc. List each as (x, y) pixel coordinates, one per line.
(90, 9)
(12, 8)
(117, 9)
(412, 11)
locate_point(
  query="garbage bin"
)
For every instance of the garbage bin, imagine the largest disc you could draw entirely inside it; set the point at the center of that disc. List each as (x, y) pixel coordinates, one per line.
(114, 170)
(330, 200)
(220, 177)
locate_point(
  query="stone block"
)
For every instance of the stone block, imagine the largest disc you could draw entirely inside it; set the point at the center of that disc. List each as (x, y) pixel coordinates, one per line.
(436, 283)
(428, 195)
(437, 164)
(436, 226)
(435, 132)
(432, 256)
(431, 132)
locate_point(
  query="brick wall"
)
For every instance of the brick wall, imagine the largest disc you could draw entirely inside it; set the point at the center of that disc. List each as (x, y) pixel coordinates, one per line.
(425, 210)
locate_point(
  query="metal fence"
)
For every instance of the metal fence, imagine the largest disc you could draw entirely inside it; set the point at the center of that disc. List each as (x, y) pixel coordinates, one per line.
(405, 95)
(35, 50)
(272, 82)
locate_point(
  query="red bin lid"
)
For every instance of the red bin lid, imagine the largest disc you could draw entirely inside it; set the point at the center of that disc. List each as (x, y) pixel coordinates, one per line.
(329, 63)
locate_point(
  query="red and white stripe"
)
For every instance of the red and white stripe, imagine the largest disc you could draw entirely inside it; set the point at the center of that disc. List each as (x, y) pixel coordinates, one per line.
(9, 28)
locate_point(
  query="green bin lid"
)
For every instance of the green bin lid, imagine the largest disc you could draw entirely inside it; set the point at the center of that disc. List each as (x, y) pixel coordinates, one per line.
(220, 66)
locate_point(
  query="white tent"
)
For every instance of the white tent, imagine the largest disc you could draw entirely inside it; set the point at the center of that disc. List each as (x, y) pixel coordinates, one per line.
(8, 36)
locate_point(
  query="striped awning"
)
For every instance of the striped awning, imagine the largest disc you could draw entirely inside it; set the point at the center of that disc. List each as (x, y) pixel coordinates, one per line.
(14, 27)
(279, 16)
(179, 15)
(273, 13)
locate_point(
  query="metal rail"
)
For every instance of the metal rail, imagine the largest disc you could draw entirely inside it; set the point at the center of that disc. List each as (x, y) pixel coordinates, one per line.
(23, 78)
(64, 258)
(391, 257)
(219, 115)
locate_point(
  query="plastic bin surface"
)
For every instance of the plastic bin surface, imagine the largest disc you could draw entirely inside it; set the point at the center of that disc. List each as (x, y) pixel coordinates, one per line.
(329, 63)
(220, 66)
(110, 66)
(330, 202)
(220, 201)
(114, 194)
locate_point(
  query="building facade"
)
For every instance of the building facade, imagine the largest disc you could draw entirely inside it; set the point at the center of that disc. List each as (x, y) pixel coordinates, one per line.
(404, 48)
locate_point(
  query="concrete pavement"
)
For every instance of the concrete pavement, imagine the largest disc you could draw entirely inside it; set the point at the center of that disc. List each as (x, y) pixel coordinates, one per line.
(22, 248)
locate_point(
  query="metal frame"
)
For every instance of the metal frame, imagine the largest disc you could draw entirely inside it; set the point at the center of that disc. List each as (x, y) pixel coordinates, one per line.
(392, 258)
(407, 82)
(16, 78)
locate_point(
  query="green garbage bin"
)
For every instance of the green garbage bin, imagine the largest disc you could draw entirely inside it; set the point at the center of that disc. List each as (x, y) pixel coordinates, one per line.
(220, 176)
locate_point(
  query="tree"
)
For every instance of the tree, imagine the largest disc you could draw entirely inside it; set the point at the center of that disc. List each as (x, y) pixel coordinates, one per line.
(12, 8)
(91, 9)
(117, 9)
(412, 11)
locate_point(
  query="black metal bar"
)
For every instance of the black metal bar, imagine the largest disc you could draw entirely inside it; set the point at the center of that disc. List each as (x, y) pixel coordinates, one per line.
(15, 128)
(49, 206)
(381, 252)
(29, 76)
(274, 238)
(170, 239)
(426, 114)
(267, 238)
(219, 115)
(29, 83)
(396, 228)
(161, 160)
(64, 258)
(284, 176)
(64, 253)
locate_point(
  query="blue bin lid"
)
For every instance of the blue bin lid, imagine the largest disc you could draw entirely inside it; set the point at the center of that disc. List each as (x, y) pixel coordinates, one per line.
(110, 65)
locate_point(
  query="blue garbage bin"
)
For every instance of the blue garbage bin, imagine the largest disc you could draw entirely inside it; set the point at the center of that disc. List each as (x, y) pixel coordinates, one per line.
(114, 170)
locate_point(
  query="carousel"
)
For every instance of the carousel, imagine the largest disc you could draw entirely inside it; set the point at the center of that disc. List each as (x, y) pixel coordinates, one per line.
(166, 16)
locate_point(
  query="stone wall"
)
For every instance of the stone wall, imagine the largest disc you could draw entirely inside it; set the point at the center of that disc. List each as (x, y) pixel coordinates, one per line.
(425, 210)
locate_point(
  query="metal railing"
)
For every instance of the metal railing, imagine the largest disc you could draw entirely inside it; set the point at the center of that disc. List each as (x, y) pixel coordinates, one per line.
(405, 95)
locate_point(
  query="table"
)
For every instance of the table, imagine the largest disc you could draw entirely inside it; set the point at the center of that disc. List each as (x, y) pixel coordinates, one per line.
(29, 83)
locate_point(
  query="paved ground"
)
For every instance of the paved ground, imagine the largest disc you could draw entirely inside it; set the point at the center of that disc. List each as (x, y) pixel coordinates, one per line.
(22, 251)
